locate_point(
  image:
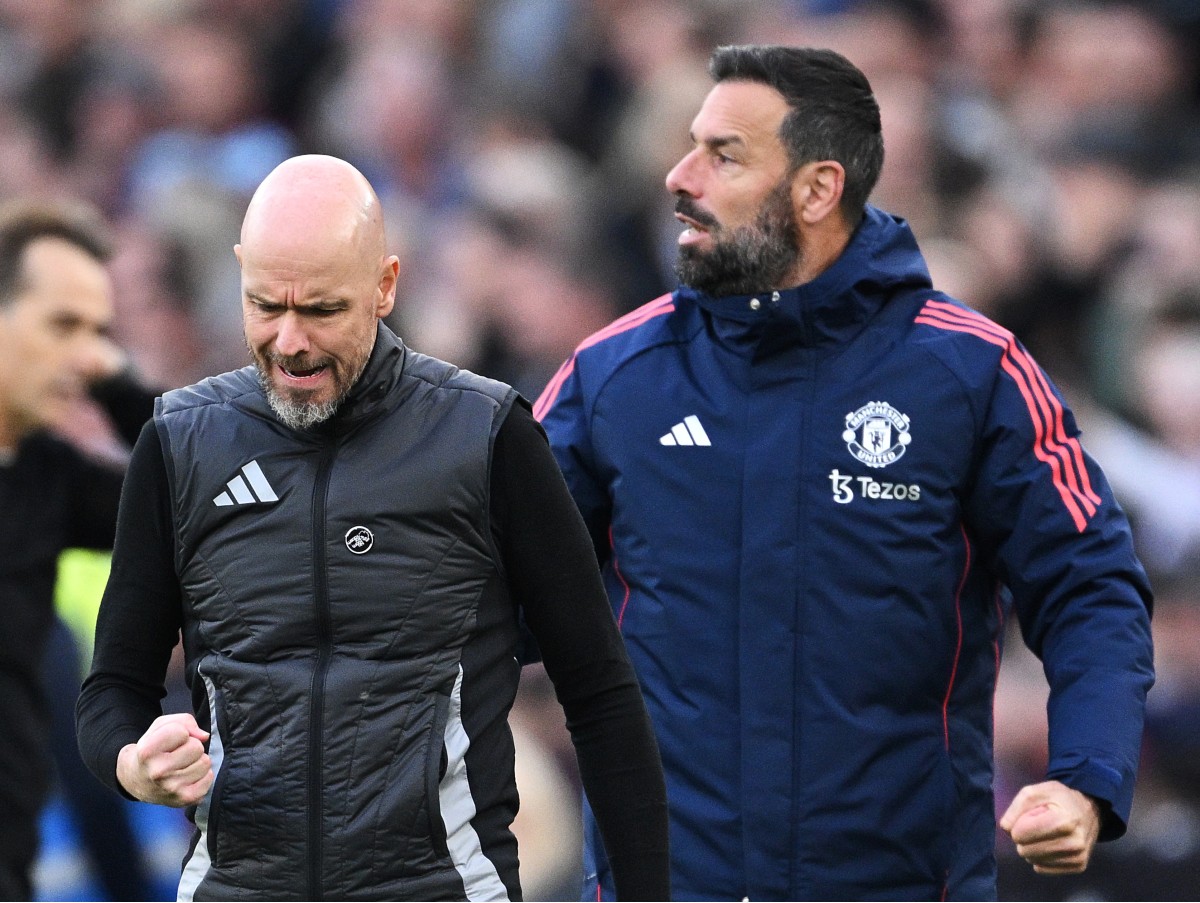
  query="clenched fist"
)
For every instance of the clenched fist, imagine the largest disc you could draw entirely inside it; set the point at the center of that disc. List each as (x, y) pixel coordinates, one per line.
(168, 765)
(1054, 827)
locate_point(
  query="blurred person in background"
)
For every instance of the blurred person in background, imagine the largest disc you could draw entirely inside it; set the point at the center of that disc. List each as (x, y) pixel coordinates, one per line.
(542, 286)
(24, 165)
(1144, 341)
(393, 109)
(637, 225)
(352, 688)
(51, 54)
(817, 637)
(212, 143)
(56, 306)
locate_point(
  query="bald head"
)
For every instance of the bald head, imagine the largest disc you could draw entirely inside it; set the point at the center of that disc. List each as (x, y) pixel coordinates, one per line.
(315, 199)
(316, 278)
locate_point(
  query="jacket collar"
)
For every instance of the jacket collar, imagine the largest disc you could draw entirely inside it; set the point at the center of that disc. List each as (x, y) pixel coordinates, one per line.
(373, 391)
(882, 256)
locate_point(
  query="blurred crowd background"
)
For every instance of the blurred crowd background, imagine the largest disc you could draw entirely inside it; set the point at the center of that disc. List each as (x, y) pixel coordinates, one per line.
(1046, 153)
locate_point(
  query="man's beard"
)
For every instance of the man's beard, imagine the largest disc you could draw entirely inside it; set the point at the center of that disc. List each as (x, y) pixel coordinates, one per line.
(749, 259)
(294, 413)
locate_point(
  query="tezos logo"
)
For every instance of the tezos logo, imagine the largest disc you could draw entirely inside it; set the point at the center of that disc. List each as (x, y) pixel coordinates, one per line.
(359, 540)
(870, 488)
(877, 434)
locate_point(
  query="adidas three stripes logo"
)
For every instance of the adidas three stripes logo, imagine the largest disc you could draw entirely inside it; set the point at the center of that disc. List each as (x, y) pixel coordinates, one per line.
(246, 488)
(689, 432)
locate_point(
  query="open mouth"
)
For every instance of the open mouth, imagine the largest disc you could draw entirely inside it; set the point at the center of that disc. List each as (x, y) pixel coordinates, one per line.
(692, 215)
(698, 222)
(695, 230)
(303, 373)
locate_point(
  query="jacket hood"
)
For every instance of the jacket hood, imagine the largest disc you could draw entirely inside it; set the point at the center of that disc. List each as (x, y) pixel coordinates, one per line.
(881, 257)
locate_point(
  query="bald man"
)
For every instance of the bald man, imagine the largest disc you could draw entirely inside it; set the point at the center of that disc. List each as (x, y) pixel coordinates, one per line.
(349, 534)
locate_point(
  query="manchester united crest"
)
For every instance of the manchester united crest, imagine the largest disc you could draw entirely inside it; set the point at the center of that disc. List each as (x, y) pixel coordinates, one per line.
(877, 434)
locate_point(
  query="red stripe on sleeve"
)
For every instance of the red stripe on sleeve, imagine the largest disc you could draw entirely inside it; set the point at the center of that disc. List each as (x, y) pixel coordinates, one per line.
(1058, 442)
(656, 308)
(1039, 446)
(1076, 450)
(552, 389)
(1060, 452)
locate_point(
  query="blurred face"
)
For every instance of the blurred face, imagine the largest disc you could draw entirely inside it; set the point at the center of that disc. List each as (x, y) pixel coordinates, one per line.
(310, 304)
(733, 194)
(1169, 384)
(53, 336)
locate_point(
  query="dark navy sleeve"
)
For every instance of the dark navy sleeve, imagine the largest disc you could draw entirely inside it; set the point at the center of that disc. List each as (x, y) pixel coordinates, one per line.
(563, 413)
(1058, 539)
(552, 572)
(139, 619)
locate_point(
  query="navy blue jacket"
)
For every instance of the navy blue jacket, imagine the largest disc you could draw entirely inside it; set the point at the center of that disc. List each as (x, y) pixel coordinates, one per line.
(811, 506)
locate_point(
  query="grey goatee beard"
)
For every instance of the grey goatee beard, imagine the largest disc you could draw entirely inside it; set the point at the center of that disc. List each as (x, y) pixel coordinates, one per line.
(303, 415)
(298, 415)
(751, 258)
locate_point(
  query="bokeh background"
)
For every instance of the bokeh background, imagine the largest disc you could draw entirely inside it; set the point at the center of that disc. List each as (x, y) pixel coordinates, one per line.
(1046, 153)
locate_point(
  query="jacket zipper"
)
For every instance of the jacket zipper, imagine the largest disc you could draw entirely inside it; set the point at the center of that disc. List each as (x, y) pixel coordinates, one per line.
(316, 726)
(808, 386)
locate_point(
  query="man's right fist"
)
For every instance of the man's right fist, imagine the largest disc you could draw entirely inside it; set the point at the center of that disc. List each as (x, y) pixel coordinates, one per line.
(168, 765)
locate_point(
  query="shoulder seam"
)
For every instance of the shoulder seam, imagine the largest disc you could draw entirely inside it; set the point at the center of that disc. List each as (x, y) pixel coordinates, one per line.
(664, 304)
(472, 389)
(1061, 453)
(219, 396)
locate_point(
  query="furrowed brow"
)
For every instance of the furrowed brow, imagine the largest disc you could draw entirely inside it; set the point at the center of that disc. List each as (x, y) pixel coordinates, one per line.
(720, 142)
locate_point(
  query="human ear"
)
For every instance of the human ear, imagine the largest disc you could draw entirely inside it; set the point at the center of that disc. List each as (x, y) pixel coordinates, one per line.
(388, 278)
(817, 190)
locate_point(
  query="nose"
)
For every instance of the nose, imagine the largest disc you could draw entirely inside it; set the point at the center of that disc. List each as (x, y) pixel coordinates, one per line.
(97, 357)
(291, 339)
(682, 177)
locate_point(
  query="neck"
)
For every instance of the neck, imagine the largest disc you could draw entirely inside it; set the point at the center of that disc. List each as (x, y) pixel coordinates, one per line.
(13, 427)
(820, 246)
(8, 437)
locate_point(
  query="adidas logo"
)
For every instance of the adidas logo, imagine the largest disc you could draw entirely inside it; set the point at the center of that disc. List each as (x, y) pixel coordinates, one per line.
(246, 488)
(689, 432)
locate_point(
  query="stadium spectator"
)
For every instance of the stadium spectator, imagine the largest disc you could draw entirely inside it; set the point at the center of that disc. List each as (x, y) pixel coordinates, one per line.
(55, 307)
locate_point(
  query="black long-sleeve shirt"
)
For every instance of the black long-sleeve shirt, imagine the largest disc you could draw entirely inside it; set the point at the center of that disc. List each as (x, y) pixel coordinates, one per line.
(547, 556)
(52, 497)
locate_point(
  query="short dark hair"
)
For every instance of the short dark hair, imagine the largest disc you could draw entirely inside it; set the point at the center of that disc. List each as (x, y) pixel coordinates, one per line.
(23, 222)
(834, 115)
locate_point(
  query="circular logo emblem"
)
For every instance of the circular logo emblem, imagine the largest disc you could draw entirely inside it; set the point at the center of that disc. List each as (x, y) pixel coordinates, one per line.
(359, 540)
(877, 434)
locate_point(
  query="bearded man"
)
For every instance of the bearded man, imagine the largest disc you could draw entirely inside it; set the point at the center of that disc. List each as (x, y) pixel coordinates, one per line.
(812, 479)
